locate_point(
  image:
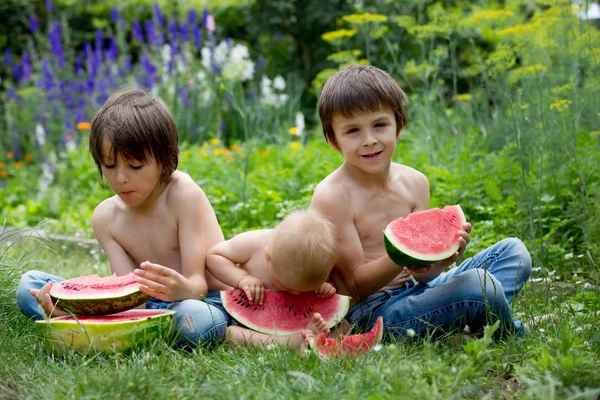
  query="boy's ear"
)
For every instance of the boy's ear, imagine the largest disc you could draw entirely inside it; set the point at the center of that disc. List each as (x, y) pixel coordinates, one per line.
(267, 254)
(333, 145)
(399, 134)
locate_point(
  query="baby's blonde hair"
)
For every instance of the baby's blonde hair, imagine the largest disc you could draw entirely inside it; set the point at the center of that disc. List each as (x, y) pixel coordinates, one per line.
(304, 245)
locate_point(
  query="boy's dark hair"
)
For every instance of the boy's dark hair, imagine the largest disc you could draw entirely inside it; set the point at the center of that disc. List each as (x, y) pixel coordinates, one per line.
(140, 127)
(359, 89)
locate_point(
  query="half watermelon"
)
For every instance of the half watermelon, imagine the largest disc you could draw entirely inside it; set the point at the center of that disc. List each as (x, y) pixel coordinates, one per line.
(424, 237)
(282, 313)
(114, 333)
(347, 346)
(93, 295)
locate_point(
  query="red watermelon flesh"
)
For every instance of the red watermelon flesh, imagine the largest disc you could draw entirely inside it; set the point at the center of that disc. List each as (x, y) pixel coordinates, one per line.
(348, 346)
(424, 237)
(95, 295)
(283, 313)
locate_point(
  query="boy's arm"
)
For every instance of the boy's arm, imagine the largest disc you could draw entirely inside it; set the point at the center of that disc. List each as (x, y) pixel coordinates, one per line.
(118, 259)
(360, 278)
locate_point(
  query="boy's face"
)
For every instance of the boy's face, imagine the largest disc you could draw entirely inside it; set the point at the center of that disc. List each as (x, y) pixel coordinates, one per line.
(289, 284)
(131, 180)
(368, 140)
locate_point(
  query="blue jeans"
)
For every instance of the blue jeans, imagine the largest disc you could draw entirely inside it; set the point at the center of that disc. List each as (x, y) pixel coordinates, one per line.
(196, 320)
(476, 293)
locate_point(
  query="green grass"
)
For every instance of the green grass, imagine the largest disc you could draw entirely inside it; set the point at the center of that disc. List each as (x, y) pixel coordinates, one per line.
(553, 361)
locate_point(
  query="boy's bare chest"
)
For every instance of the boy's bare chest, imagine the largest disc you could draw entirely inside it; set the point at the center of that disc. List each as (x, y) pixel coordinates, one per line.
(153, 238)
(373, 214)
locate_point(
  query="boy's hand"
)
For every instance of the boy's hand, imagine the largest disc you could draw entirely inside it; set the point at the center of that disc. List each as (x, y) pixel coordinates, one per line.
(162, 282)
(254, 289)
(325, 290)
(45, 301)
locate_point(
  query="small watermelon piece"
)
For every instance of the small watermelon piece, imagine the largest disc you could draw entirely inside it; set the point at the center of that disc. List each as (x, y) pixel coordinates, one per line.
(424, 237)
(114, 333)
(347, 346)
(282, 313)
(94, 295)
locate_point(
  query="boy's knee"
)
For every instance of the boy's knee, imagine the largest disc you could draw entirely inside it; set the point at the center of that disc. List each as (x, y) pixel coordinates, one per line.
(197, 321)
(518, 250)
(483, 286)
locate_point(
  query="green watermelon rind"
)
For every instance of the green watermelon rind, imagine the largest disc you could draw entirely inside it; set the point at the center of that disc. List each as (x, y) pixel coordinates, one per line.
(327, 352)
(118, 337)
(101, 306)
(403, 256)
(343, 306)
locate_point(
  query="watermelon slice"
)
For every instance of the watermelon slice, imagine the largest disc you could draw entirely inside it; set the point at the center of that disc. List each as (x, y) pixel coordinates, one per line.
(109, 333)
(282, 313)
(93, 295)
(347, 346)
(424, 237)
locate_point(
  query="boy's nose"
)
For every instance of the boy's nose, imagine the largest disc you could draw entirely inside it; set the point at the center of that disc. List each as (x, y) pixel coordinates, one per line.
(369, 138)
(122, 176)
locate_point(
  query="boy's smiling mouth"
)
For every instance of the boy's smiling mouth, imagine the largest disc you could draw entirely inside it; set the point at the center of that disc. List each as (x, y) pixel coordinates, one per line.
(371, 155)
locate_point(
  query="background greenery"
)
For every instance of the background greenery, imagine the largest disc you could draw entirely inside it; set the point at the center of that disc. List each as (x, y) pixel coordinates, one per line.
(503, 119)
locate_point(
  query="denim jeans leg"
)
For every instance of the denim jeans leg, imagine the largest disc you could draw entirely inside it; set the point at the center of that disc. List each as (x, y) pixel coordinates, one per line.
(26, 302)
(473, 298)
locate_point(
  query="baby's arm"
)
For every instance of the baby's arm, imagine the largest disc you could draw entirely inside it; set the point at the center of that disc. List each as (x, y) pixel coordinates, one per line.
(223, 259)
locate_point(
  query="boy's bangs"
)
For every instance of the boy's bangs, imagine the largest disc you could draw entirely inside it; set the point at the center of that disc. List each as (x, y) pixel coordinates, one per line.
(358, 99)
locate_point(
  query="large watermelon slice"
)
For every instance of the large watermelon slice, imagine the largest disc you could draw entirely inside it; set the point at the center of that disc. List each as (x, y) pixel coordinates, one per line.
(109, 333)
(93, 295)
(347, 346)
(424, 237)
(282, 313)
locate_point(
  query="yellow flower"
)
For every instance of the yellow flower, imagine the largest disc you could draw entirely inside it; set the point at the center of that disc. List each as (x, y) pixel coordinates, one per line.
(524, 106)
(595, 133)
(215, 142)
(186, 154)
(84, 126)
(28, 157)
(294, 145)
(235, 147)
(10, 155)
(217, 152)
(560, 89)
(364, 18)
(1, 165)
(264, 153)
(4, 174)
(560, 105)
(204, 154)
(490, 15)
(339, 34)
(18, 164)
(293, 131)
(462, 97)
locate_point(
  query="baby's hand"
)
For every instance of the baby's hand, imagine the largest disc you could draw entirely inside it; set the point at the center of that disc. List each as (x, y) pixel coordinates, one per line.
(254, 289)
(325, 290)
(43, 298)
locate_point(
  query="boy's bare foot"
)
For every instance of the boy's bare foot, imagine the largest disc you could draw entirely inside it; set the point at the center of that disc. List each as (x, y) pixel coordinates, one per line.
(315, 326)
(535, 321)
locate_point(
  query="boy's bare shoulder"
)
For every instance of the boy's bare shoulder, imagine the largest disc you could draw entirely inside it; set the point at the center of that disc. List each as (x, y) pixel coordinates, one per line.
(183, 190)
(107, 209)
(407, 174)
(332, 192)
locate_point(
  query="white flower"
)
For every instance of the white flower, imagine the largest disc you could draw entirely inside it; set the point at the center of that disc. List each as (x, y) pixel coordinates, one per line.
(220, 53)
(206, 57)
(410, 332)
(568, 256)
(377, 347)
(201, 75)
(71, 146)
(40, 134)
(587, 285)
(265, 84)
(300, 124)
(238, 53)
(279, 83)
(166, 53)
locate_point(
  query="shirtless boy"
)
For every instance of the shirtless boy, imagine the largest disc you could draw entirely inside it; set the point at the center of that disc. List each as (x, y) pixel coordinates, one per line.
(159, 224)
(362, 113)
(297, 256)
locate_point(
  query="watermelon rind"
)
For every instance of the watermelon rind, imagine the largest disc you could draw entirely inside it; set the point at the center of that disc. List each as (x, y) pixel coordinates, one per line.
(85, 299)
(407, 257)
(64, 334)
(275, 316)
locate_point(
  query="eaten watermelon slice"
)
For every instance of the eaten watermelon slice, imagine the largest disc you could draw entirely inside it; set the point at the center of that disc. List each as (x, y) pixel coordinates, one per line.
(94, 295)
(114, 333)
(424, 237)
(282, 313)
(347, 346)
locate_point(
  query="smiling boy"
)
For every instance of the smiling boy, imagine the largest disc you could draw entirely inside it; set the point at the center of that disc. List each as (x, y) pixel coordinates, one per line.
(362, 112)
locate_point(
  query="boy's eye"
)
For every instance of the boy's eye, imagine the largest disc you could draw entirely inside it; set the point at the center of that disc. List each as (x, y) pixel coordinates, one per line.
(136, 167)
(352, 130)
(380, 124)
(109, 166)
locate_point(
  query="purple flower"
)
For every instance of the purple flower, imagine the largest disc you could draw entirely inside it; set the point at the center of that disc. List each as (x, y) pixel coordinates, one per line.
(137, 31)
(223, 126)
(56, 46)
(114, 14)
(12, 94)
(47, 76)
(197, 37)
(184, 33)
(26, 66)
(113, 50)
(78, 65)
(184, 97)
(126, 63)
(147, 65)
(2, 184)
(99, 38)
(151, 33)
(49, 6)
(8, 59)
(33, 24)
(159, 17)
(173, 30)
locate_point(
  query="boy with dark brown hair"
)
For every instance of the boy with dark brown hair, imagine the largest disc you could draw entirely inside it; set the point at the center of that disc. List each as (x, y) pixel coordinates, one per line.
(362, 113)
(158, 225)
